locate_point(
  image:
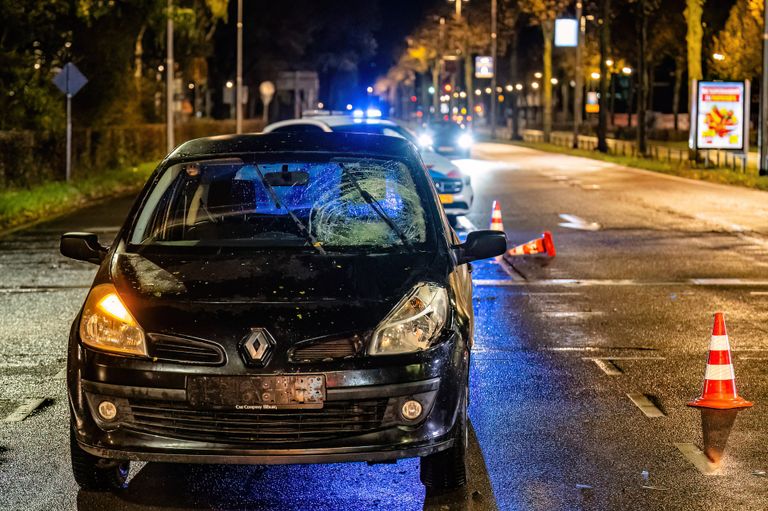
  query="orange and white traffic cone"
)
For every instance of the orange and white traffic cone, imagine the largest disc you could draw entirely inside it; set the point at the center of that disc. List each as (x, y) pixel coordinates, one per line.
(496, 223)
(719, 379)
(543, 245)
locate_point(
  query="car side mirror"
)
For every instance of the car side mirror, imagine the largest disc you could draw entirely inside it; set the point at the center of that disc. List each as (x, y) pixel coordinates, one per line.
(82, 246)
(481, 245)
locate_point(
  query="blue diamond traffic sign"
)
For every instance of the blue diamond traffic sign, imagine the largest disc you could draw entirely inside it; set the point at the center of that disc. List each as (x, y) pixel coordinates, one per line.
(70, 80)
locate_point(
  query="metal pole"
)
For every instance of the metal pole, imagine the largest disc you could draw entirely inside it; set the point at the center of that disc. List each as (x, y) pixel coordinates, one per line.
(578, 93)
(494, 94)
(69, 132)
(763, 99)
(169, 80)
(239, 92)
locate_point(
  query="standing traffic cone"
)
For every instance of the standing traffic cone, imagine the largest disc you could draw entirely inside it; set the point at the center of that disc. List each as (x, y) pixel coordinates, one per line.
(543, 245)
(719, 379)
(496, 223)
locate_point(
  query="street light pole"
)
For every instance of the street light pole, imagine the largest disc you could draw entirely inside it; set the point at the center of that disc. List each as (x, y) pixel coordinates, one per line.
(169, 79)
(239, 79)
(763, 100)
(494, 94)
(578, 93)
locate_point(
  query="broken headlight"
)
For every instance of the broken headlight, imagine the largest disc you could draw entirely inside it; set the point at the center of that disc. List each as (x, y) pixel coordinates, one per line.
(107, 324)
(415, 322)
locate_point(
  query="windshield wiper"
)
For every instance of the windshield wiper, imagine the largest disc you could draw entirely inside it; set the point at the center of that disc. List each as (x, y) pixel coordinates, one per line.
(375, 206)
(299, 224)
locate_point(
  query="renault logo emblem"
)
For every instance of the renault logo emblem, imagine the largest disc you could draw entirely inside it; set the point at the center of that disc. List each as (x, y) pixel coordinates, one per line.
(257, 347)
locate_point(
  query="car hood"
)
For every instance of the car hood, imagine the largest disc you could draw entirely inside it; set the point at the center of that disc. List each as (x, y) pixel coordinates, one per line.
(296, 296)
(438, 163)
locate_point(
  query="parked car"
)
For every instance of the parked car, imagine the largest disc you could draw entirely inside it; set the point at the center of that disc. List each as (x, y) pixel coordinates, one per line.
(455, 187)
(448, 138)
(282, 298)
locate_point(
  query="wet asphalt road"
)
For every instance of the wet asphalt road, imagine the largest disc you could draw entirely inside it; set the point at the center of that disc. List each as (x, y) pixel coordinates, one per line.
(625, 307)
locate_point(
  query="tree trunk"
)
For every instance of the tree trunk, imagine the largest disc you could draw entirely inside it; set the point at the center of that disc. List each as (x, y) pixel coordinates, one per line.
(547, 29)
(679, 63)
(695, 32)
(602, 124)
(436, 86)
(138, 53)
(468, 85)
(513, 76)
(642, 100)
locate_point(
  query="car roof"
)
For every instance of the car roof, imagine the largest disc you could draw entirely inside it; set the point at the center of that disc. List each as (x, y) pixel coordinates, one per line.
(376, 145)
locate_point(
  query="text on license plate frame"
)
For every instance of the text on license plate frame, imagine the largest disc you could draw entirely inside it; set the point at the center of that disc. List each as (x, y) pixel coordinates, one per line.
(257, 392)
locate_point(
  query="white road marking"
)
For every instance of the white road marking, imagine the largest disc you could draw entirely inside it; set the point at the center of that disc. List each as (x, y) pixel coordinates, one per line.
(575, 222)
(608, 367)
(710, 282)
(698, 459)
(759, 293)
(26, 407)
(645, 405)
(626, 358)
(572, 314)
(753, 358)
(466, 224)
(574, 348)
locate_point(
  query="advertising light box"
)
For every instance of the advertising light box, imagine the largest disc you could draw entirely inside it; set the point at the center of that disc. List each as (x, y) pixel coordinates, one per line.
(721, 116)
(483, 66)
(566, 33)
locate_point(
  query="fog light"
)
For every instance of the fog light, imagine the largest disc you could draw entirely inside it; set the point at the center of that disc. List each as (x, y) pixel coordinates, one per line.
(411, 409)
(107, 410)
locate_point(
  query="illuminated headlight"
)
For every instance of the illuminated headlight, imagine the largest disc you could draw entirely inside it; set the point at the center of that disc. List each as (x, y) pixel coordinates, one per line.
(466, 140)
(107, 324)
(425, 140)
(414, 324)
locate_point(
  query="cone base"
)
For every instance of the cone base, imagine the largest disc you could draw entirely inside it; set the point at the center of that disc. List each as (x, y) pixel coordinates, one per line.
(720, 404)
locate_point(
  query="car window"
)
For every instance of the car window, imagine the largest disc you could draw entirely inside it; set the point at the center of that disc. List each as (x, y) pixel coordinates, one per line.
(228, 203)
(298, 128)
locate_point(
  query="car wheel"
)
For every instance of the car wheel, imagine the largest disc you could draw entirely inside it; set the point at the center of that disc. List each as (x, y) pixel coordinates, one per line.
(95, 473)
(447, 469)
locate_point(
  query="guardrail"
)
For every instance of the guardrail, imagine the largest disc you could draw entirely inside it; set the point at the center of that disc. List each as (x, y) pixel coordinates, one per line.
(713, 158)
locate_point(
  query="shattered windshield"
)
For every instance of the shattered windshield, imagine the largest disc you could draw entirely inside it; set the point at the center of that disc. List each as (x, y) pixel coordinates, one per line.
(333, 203)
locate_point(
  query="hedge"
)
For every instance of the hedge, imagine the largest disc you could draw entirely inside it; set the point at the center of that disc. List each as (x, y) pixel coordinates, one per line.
(30, 158)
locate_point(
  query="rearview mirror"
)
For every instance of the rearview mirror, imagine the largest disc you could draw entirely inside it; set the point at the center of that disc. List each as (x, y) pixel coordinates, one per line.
(82, 246)
(481, 245)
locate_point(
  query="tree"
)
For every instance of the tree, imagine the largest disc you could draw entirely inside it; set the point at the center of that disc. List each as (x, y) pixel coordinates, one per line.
(737, 42)
(544, 13)
(605, 41)
(692, 13)
(508, 32)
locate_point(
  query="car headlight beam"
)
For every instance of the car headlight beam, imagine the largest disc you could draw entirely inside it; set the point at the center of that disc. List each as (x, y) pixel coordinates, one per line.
(425, 140)
(414, 324)
(108, 325)
(466, 140)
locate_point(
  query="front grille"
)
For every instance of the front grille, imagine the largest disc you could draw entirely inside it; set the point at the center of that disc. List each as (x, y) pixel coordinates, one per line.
(178, 420)
(188, 351)
(449, 185)
(327, 350)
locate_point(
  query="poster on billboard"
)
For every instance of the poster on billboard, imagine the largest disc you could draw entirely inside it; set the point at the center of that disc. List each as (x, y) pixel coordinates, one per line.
(722, 115)
(483, 66)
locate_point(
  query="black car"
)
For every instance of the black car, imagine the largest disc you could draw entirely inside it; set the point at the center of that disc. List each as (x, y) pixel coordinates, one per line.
(284, 298)
(449, 139)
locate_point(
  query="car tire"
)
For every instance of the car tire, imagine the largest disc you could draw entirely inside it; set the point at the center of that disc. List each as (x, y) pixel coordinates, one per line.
(447, 470)
(95, 473)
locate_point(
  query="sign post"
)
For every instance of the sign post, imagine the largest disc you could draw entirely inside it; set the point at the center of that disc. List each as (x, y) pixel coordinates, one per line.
(69, 81)
(720, 117)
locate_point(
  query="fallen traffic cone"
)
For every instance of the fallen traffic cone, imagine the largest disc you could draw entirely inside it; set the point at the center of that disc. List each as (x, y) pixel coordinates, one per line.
(496, 223)
(543, 245)
(719, 379)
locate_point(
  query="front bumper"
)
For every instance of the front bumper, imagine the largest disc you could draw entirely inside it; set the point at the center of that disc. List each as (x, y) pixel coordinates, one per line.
(156, 423)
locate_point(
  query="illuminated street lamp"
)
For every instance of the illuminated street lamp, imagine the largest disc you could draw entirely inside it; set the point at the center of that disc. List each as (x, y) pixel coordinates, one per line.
(595, 75)
(718, 56)
(537, 75)
(535, 85)
(554, 81)
(509, 88)
(626, 70)
(518, 86)
(229, 84)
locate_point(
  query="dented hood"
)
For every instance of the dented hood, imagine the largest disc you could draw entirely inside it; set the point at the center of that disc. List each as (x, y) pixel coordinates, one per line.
(296, 296)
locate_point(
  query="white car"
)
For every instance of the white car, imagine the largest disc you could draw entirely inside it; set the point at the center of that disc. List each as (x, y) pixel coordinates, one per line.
(454, 186)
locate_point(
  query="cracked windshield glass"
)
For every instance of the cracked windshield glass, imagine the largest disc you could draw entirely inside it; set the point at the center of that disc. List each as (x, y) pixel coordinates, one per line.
(338, 203)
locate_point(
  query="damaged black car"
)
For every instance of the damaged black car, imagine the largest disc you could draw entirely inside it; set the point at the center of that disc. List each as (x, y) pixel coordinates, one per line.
(282, 298)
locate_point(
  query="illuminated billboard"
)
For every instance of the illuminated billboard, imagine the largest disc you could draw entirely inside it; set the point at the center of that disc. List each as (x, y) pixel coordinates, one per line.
(722, 115)
(483, 66)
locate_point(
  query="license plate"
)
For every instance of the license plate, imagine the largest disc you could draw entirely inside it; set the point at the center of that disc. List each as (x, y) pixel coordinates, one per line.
(256, 392)
(446, 198)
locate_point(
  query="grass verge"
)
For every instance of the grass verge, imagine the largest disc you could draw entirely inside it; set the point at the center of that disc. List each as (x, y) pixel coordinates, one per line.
(23, 206)
(682, 169)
